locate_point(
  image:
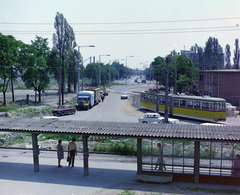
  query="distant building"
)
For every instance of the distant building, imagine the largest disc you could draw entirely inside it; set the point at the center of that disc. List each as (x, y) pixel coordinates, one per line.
(221, 83)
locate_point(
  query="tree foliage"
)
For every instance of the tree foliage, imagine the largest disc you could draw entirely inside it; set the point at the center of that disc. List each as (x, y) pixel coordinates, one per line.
(236, 55)
(35, 72)
(213, 55)
(8, 60)
(227, 56)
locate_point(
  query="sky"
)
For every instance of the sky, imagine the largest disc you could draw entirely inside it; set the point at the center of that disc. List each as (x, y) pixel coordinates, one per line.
(143, 29)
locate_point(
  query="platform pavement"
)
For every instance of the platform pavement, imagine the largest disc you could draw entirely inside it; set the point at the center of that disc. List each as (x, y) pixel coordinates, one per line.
(108, 174)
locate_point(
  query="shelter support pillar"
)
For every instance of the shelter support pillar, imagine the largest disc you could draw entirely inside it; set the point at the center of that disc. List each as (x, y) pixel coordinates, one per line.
(85, 155)
(196, 161)
(35, 152)
(139, 155)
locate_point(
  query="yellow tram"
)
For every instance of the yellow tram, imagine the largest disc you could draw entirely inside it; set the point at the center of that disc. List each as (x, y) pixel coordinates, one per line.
(194, 107)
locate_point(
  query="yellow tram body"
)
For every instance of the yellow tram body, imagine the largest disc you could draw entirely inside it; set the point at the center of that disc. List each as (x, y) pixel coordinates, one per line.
(194, 107)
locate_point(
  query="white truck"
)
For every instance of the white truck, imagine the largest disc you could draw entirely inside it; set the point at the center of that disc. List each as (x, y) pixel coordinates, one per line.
(85, 100)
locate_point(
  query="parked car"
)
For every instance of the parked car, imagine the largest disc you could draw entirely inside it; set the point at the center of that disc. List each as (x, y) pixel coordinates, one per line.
(64, 109)
(49, 118)
(172, 121)
(212, 124)
(230, 107)
(150, 118)
(124, 95)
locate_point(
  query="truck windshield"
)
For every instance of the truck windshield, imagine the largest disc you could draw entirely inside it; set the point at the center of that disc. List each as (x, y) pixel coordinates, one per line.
(80, 99)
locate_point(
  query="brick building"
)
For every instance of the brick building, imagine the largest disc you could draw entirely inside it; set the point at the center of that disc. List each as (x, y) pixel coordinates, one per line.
(221, 83)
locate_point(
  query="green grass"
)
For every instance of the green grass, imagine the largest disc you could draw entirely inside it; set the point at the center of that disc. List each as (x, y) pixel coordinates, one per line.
(5, 109)
(63, 137)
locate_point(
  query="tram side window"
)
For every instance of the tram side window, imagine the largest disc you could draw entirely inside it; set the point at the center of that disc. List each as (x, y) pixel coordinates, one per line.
(148, 97)
(190, 104)
(176, 102)
(154, 99)
(205, 105)
(222, 106)
(163, 100)
(196, 104)
(183, 103)
(160, 100)
(215, 106)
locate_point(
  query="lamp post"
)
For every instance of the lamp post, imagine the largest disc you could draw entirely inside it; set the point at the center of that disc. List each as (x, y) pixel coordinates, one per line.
(126, 66)
(99, 83)
(82, 66)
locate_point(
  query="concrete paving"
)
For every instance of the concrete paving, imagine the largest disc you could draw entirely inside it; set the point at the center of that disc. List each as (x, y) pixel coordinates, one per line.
(108, 174)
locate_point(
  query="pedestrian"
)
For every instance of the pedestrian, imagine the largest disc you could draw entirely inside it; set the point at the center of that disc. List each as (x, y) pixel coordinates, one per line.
(236, 166)
(60, 153)
(102, 97)
(160, 161)
(72, 151)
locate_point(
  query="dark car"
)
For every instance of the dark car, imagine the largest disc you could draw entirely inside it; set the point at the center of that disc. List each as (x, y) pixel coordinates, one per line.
(64, 109)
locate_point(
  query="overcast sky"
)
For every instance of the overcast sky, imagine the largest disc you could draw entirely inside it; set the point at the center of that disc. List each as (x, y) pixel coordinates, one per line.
(142, 28)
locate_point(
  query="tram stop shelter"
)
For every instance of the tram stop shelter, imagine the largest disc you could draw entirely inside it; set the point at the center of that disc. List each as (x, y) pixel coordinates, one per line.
(165, 152)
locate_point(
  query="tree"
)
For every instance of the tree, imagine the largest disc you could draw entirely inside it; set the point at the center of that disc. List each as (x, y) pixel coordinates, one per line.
(61, 44)
(186, 73)
(8, 59)
(197, 56)
(35, 72)
(72, 59)
(213, 55)
(227, 56)
(158, 70)
(91, 72)
(236, 55)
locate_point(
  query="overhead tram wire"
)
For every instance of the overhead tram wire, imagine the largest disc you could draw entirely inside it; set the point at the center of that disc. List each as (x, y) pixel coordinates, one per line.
(117, 23)
(126, 32)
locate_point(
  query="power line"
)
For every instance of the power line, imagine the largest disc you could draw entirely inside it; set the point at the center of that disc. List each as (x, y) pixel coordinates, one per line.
(117, 23)
(126, 32)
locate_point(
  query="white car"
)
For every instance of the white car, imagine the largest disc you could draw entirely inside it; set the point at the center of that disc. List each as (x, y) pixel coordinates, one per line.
(150, 118)
(172, 121)
(124, 95)
(49, 118)
(213, 124)
(230, 107)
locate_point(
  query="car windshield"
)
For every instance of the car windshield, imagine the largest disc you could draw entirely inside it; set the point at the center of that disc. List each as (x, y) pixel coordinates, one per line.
(124, 93)
(61, 107)
(228, 104)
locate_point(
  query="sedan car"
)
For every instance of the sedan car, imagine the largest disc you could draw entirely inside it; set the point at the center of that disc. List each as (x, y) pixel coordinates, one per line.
(150, 118)
(124, 95)
(64, 109)
(230, 107)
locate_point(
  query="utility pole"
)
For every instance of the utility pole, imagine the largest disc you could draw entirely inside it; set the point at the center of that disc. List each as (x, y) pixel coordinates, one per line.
(166, 92)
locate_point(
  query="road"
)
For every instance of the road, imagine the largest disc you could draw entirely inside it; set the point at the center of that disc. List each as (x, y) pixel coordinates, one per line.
(114, 108)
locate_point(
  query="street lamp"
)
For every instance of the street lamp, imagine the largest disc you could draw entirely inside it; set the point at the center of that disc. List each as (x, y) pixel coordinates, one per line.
(82, 66)
(126, 66)
(99, 83)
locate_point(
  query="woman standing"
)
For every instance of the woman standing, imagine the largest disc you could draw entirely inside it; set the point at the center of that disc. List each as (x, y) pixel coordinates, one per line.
(60, 153)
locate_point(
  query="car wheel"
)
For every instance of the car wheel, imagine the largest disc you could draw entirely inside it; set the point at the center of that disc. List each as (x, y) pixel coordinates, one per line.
(73, 112)
(62, 113)
(144, 122)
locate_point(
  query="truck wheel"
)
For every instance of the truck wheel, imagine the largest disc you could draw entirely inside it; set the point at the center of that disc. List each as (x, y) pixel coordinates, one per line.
(87, 107)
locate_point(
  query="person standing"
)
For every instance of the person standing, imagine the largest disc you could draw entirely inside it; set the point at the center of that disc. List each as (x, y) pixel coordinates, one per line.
(60, 153)
(160, 162)
(72, 151)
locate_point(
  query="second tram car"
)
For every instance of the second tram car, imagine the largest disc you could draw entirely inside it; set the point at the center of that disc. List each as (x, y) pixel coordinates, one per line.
(195, 107)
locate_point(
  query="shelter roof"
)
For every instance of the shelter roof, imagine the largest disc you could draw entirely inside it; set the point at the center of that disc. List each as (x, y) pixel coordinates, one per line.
(122, 129)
